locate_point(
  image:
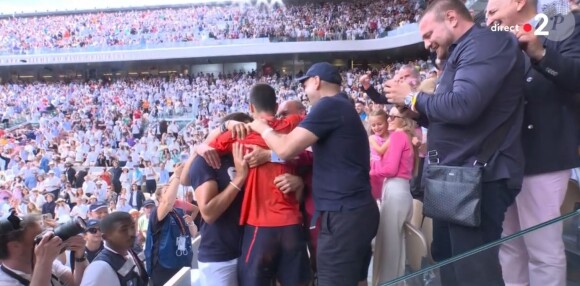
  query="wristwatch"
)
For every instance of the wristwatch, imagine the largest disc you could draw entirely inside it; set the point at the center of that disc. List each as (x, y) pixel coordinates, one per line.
(82, 259)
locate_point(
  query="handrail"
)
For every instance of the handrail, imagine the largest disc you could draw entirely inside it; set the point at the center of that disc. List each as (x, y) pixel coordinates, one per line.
(480, 249)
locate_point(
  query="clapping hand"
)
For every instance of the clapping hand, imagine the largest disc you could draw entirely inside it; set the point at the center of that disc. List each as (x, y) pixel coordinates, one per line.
(530, 43)
(396, 91)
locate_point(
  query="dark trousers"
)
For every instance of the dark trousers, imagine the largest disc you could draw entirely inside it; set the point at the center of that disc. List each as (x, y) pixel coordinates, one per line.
(273, 254)
(450, 239)
(344, 245)
(417, 189)
(117, 186)
(6, 162)
(56, 193)
(160, 275)
(151, 186)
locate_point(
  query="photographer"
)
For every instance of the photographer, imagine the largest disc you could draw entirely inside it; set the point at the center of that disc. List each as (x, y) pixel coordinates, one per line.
(24, 264)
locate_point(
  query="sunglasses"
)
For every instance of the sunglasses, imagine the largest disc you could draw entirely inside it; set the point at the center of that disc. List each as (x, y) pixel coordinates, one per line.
(393, 117)
(93, 230)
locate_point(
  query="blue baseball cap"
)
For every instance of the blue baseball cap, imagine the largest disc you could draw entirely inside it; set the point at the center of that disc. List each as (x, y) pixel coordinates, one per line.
(91, 223)
(148, 203)
(97, 206)
(325, 71)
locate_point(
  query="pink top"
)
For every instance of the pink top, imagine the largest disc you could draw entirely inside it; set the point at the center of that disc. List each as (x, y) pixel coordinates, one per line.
(397, 162)
(376, 161)
(380, 141)
(187, 208)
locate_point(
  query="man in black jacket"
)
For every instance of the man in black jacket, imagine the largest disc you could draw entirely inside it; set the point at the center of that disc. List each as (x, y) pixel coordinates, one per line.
(70, 173)
(479, 91)
(116, 176)
(550, 140)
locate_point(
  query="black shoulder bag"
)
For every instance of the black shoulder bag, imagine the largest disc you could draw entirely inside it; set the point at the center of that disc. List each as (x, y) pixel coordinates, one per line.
(453, 193)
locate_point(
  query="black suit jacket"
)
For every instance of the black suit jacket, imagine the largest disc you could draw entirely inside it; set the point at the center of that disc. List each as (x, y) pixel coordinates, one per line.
(70, 175)
(140, 199)
(550, 131)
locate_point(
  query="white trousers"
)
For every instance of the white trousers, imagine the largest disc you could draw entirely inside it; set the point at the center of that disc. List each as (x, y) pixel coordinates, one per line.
(537, 258)
(396, 209)
(218, 273)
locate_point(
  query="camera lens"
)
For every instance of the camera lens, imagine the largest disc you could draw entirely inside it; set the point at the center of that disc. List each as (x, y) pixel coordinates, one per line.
(67, 230)
(70, 229)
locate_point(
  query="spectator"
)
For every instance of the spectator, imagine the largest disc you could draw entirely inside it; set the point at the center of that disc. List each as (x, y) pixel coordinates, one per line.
(472, 109)
(168, 224)
(549, 103)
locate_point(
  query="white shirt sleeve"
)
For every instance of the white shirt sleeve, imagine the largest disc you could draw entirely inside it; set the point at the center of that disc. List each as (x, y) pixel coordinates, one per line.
(59, 269)
(99, 273)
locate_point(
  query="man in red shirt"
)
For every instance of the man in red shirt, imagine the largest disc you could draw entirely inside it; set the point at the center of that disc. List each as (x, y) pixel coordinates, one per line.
(273, 245)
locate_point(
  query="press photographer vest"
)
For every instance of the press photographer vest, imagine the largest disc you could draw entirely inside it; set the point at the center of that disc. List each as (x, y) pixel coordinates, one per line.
(125, 269)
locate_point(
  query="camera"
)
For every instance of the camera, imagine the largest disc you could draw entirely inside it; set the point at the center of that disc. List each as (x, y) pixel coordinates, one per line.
(67, 230)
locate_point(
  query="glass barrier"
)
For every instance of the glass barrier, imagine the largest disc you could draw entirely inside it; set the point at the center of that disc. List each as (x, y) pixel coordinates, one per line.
(147, 41)
(475, 261)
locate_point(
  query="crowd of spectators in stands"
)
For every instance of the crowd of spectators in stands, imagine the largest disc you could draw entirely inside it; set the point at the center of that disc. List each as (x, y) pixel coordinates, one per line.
(350, 20)
(86, 125)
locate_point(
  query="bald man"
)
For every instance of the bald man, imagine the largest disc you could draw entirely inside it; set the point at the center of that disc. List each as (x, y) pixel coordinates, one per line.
(550, 86)
(291, 107)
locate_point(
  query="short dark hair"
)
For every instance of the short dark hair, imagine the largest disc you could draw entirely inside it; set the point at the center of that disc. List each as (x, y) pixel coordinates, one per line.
(263, 97)
(440, 7)
(15, 235)
(110, 221)
(237, 116)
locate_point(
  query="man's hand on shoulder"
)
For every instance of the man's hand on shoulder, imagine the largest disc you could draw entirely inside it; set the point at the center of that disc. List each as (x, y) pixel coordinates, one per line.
(210, 155)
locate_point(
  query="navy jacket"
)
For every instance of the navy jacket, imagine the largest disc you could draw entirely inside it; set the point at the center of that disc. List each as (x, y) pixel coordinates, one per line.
(481, 87)
(550, 132)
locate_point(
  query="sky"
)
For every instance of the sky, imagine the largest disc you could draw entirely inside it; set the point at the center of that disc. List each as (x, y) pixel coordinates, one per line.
(29, 6)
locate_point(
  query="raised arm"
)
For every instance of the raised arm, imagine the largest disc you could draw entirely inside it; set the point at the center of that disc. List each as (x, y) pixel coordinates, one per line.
(169, 195)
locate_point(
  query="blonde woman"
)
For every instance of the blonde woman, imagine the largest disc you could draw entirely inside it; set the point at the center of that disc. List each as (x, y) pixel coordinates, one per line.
(31, 208)
(396, 167)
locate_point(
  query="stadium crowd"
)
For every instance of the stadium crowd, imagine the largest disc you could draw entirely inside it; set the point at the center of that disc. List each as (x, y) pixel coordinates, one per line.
(91, 124)
(328, 21)
(103, 145)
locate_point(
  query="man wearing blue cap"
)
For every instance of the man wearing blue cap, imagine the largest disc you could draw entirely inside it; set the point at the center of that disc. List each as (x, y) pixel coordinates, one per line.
(93, 241)
(341, 183)
(98, 210)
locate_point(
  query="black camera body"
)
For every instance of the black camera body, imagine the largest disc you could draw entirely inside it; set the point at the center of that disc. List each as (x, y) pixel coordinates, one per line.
(67, 230)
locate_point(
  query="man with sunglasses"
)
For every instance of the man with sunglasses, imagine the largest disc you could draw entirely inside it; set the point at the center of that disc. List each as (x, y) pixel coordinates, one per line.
(117, 263)
(93, 241)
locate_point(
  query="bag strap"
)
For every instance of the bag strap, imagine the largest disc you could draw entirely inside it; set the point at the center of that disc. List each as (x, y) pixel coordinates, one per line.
(495, 139)
(21, 279)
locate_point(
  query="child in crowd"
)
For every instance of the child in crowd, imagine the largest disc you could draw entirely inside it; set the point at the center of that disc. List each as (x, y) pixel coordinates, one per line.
(379, 142)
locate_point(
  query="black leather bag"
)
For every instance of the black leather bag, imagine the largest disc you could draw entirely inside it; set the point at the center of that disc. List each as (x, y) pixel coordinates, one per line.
(453, 193)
